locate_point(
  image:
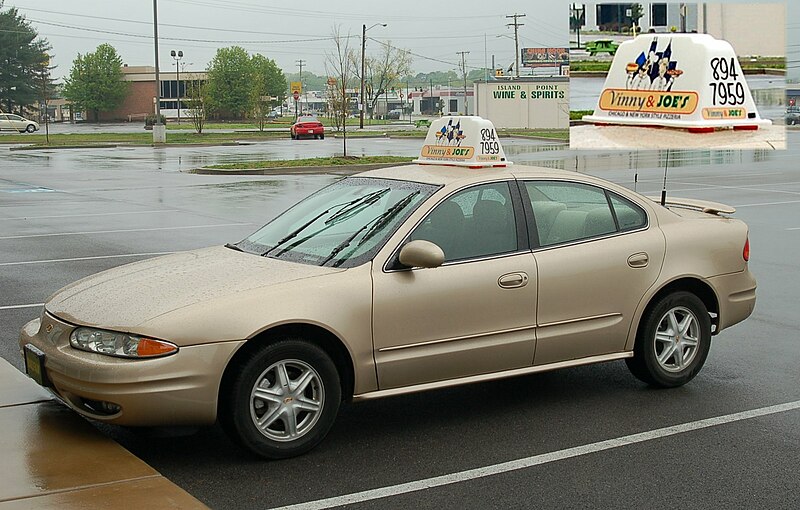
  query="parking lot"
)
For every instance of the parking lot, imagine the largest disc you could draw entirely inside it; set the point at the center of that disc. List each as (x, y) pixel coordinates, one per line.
(583, 437)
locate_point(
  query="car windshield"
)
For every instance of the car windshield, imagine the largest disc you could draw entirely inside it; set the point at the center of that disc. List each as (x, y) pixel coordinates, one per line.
(307, 119)
(342, 225)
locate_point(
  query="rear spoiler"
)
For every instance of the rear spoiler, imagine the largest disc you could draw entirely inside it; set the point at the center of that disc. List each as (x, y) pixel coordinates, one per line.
(698, 205)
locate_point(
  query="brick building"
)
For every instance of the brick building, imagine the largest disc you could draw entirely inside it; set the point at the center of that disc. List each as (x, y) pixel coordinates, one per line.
(142, 93)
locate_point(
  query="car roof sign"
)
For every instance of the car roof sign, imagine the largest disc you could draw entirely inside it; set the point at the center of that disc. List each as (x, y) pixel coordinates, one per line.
(468, 141)
(690, 81)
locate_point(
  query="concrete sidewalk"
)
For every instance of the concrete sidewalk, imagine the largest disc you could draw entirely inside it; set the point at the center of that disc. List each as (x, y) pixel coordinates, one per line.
(54, 459)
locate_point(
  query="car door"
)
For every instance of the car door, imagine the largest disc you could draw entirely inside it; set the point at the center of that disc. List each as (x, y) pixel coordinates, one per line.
(476, 313)
(597, 255)
(5, 125)
(16, 122)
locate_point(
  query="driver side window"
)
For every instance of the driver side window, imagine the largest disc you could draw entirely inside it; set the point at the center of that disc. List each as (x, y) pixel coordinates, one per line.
(476, 222)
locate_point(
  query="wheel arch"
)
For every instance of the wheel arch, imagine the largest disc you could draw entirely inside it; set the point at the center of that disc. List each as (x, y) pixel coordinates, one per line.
(315, 334)
(691, 284)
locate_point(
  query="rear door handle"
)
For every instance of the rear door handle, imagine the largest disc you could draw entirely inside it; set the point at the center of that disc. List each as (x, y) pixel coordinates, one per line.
(638, 260)
(513, 280)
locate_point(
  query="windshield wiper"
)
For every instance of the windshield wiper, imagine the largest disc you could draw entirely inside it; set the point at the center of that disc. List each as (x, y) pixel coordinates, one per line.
(294, 233)
(368, 199)
(233, 247)
(374, 226)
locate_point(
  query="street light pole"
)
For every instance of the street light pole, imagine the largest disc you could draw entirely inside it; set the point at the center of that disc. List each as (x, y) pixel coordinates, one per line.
(177, 56)
(363, 70)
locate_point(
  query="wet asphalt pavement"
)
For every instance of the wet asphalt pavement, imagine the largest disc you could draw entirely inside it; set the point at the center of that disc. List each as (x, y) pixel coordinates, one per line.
(67, 214)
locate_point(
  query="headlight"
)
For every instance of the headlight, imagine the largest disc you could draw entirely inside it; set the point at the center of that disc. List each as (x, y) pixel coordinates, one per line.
(123, 345)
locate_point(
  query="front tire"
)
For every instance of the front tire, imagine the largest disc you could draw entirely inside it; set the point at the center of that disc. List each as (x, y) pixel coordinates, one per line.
(31, 128)
(283, 400)
(673, 341)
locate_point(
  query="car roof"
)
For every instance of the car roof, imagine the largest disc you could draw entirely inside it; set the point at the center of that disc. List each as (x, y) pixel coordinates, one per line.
(448, 174)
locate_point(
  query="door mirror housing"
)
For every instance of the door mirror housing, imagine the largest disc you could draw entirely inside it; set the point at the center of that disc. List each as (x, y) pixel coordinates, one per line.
(421, 253)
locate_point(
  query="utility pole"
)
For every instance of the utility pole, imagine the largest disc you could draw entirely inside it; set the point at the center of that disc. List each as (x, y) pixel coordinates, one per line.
(516, 26)
(159, 130)
(464, 72)
(300, 64)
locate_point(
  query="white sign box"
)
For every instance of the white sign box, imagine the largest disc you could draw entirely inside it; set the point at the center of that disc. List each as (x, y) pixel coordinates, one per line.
(462, 141)
(689, 81)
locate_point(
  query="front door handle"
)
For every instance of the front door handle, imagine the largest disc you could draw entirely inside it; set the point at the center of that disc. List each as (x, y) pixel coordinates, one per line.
(638, 260)
(513, 280)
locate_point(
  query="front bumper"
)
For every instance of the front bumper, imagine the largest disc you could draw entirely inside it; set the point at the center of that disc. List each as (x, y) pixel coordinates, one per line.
(180, 389)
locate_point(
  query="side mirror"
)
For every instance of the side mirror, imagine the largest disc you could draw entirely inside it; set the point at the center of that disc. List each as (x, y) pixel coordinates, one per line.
(421, 253)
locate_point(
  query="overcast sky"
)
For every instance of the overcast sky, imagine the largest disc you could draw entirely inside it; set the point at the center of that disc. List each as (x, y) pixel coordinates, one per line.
(436, 30)
(288, 31)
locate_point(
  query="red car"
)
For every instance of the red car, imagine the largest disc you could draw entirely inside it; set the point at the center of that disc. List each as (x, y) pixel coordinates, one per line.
(307, 126)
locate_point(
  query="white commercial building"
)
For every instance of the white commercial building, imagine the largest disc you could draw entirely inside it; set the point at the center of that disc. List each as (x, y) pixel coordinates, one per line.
(527, 102)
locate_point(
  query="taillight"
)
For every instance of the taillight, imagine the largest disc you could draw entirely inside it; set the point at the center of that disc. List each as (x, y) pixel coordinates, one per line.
(746, 250)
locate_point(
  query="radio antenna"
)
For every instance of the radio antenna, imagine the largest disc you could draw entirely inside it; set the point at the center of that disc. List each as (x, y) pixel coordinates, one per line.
(664, 189)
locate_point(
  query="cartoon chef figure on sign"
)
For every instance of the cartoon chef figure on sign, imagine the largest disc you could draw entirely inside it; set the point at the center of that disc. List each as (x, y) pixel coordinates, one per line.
(639, 76)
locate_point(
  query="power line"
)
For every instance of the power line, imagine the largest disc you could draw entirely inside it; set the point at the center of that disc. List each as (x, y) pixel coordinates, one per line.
(218, 41)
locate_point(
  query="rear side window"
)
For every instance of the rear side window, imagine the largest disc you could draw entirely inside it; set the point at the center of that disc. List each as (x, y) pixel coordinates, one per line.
(629, 215)
(566, 212)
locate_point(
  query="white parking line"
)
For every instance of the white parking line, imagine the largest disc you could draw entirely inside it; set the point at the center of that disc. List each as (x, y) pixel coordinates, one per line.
(17, 307)
(536, 460)
(87, 215)
(125, 230)
(75, 259)
(768, 203)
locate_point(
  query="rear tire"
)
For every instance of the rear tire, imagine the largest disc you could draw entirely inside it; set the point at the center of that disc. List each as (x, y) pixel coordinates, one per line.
(322, 136)
(283, 399)
(673, 341)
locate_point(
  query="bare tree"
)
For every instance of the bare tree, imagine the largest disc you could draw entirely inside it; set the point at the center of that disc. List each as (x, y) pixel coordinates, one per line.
(382, 72)
(338, 65)
(197, 101)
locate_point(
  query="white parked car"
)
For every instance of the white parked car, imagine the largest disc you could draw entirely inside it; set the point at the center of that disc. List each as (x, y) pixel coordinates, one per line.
(11, 122)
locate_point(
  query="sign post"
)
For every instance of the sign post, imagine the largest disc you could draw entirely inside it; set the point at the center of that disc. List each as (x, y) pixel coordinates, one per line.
(296, 88)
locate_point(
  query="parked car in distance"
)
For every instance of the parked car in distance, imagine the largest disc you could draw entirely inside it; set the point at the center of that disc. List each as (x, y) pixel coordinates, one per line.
(394, 114)
(12, 122)
(792, 116)
(307, 126)
(393, 281)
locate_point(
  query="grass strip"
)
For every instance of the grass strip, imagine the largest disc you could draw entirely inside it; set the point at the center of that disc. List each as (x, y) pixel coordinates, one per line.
(332, 161)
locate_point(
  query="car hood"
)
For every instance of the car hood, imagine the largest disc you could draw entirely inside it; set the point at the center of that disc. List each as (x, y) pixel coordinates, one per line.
(129, 295)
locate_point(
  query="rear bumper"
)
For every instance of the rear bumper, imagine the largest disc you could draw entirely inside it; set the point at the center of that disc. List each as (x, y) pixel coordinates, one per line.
(180, 389)
(737, 297)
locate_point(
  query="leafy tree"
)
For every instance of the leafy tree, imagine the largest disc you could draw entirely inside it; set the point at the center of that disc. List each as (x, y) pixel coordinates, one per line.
(230, 83)
(24, 62)
(95, 81)
(267, 82)
(636, 13)
(310, 80)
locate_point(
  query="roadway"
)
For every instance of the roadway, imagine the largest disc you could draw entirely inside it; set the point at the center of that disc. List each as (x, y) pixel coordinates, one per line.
(584, 437)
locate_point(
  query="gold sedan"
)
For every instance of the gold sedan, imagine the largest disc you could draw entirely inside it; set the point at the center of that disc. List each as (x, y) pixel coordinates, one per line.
(394, 281)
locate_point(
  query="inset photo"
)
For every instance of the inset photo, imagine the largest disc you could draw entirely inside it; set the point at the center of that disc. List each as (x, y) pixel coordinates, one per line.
(677, 75)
